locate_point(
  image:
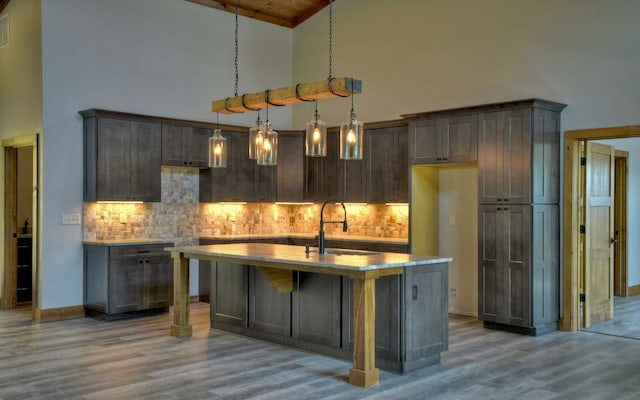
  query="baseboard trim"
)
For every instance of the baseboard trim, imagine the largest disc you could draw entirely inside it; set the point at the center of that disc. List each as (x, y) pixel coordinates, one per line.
(633, 290)
(57, 314)
(194, 299)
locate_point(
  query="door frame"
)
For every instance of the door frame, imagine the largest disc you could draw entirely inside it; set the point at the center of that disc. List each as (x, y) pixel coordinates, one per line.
(573, 211)
(621, 200)
(9, 150)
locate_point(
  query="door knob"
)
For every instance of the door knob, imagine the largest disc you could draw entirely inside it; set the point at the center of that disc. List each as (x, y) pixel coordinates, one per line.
(614, 240)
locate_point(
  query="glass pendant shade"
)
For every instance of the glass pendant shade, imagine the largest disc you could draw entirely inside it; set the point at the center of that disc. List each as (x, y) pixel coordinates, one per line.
(351, 138)
(316, 137)
(256, 136)
(217, 150)
(268, 154)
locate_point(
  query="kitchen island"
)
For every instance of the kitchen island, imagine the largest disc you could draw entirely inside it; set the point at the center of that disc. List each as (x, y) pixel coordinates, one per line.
(420, 318)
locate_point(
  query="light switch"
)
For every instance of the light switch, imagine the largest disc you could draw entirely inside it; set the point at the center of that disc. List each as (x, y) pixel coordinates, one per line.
(452, 220)
(70, 219)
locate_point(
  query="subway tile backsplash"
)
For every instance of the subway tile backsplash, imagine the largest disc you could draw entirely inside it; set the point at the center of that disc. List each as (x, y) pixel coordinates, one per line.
(179, 217)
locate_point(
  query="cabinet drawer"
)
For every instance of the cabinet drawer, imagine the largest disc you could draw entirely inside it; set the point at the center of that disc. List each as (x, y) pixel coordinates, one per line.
(145, 250)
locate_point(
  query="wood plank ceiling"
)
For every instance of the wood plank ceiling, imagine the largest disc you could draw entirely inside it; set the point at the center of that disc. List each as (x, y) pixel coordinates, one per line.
(287, 13)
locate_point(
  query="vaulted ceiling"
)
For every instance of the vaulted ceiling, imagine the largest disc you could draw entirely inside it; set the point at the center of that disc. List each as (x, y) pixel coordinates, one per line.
(288, 13)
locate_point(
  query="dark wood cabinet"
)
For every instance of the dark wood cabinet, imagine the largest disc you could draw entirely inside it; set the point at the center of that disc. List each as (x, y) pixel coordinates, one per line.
(387, 165)
(518, 218)
(121, 159)
(324, 175)
(127, 280)
(269, 310)
(290, 170)
(444, 140)
(518, 263)
(228, 295)
(519, 157)
(316, 309)
(185, 146)
(242, 180)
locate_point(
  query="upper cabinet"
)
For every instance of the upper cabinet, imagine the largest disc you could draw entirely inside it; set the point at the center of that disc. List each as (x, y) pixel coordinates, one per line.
(444, 140)
(185, 146)
(121, 158)
(519, 156)
(242, 180)
(290, 169)
(387, 165)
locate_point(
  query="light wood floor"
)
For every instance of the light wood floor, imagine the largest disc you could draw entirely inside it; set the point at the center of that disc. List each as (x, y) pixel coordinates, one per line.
(137, 359)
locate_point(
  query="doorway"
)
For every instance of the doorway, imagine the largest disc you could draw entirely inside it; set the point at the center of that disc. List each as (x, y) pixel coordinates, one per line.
(20, 273)
(574, 211)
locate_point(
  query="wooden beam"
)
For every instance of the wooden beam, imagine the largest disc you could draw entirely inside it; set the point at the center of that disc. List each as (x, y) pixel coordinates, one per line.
(287, 95)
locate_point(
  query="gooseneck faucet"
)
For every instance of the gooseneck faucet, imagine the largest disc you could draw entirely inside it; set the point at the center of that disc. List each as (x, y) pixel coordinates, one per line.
(322, 222)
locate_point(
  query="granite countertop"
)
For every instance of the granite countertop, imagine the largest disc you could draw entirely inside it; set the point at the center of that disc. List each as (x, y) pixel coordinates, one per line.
(127, 242)
(248, 253)
(311, 236)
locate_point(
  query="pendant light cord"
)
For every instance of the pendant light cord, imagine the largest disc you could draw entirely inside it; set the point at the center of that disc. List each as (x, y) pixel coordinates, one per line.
(236, 59)
(330, 40)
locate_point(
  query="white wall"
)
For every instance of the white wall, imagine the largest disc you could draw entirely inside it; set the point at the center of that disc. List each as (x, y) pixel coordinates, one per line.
(423, 55)
(157, 57)
(632, 145)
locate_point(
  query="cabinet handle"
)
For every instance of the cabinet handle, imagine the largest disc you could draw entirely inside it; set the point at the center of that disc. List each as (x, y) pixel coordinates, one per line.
(146, 261)
(184, 163)
(140, 262)
(414, 292)
(144, 251)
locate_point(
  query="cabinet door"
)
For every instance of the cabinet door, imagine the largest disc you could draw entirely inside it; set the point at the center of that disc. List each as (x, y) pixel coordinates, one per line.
(516, 222)
(490, 275)
(198, 146)
(387, 316)
(426, 331)
(504, 283)
(386, 177)
(462, 139)
(265, 183)
(489, 159)
(290, 169)
(145, 161)
(332, 181)
(126, 277)
(159, 281)
(426, 141)
(545, 157)
(269, 311)
(516, 156)
(229, 295)
(174, 145)
(114, 160)
(316, 309)
(245, 170)
(218, 184)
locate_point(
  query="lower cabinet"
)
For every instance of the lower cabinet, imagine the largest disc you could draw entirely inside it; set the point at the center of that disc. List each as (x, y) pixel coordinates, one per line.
(127, 280)
(411, 312)
(518, 267)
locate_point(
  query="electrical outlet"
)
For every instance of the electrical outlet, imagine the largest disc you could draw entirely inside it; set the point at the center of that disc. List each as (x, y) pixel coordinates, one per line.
(452, 220)
(123, 218)
(452, 292)
(70, 219)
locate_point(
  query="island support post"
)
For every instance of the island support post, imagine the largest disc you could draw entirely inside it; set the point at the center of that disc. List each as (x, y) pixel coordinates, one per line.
(181, 324)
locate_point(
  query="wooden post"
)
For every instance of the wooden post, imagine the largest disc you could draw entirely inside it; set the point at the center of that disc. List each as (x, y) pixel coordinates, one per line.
(181, 326)
(364, 373)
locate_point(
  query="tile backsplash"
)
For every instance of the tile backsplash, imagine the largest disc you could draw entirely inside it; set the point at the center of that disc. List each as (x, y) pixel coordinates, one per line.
(181, 218)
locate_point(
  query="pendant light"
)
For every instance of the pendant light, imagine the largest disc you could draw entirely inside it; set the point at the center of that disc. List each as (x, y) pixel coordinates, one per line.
(316, 137)
(351, 137)
(217, 149)
(256, 138)
(268, 154)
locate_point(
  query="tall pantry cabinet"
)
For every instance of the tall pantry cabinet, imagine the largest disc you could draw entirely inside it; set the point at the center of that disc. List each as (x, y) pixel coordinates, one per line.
(518, 216)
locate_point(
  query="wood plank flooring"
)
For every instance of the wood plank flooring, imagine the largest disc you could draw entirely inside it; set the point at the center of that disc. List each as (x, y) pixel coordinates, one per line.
(625, 321)
(137, 359)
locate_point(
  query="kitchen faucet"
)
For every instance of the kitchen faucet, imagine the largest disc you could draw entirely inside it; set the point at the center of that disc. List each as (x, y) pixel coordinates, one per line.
(322, 222)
